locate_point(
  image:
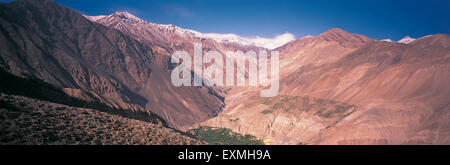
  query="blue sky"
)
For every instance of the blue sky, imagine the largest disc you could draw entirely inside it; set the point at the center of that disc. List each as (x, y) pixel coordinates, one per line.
(378, 19)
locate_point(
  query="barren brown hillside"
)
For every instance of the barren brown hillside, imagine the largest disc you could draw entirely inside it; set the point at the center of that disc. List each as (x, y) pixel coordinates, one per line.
(43, 40)
(400, 91)
(30, 121)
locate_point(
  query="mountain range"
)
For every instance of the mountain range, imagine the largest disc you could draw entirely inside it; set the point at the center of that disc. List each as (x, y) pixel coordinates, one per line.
(335, 88)
(343, 88)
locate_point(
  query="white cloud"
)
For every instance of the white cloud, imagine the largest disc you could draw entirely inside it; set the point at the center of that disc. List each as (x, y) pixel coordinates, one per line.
(269, 43)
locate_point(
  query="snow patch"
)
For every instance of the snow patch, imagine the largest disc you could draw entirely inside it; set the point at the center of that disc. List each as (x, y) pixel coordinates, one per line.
(406, 40)
(94, 18)
(269, 43)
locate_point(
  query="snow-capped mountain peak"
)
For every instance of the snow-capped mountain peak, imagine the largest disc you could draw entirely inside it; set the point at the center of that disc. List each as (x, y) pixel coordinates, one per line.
(120, 20)
(180, 31)
(128, 17)
(116, 17)
(406, 40)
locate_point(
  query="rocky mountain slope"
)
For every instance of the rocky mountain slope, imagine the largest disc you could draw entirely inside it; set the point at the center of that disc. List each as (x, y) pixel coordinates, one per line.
(343, 88)
(30, 121)
(162, 34)
(166, 39)
(43, 40)
(335, 88)
(169, 37)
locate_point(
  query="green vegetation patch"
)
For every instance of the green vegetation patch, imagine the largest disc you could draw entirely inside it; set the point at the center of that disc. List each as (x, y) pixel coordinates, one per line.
(266, 112)
(233, 120)
(223, 136)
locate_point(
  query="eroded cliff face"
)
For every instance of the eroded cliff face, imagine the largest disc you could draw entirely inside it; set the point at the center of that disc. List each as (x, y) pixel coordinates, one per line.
(383, 93)
(44, 40)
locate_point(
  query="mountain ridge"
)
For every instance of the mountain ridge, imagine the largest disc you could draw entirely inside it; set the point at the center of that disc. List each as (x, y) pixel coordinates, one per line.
(335, 88)
(58, 45)
(230, 38)
(398, 91)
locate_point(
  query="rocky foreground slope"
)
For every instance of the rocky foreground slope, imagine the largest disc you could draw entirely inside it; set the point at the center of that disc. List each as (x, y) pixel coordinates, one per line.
(30, 121)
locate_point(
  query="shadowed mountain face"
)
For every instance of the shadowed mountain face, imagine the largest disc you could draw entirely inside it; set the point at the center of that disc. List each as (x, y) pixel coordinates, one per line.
(343, 88)
(44, 40)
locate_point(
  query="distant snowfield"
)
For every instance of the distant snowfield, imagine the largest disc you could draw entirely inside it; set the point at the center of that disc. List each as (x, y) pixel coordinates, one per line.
(269, 43)
(95, 18)
(405, 40)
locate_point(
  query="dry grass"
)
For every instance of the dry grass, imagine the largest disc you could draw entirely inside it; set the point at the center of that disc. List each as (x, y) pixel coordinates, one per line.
(29, 121)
